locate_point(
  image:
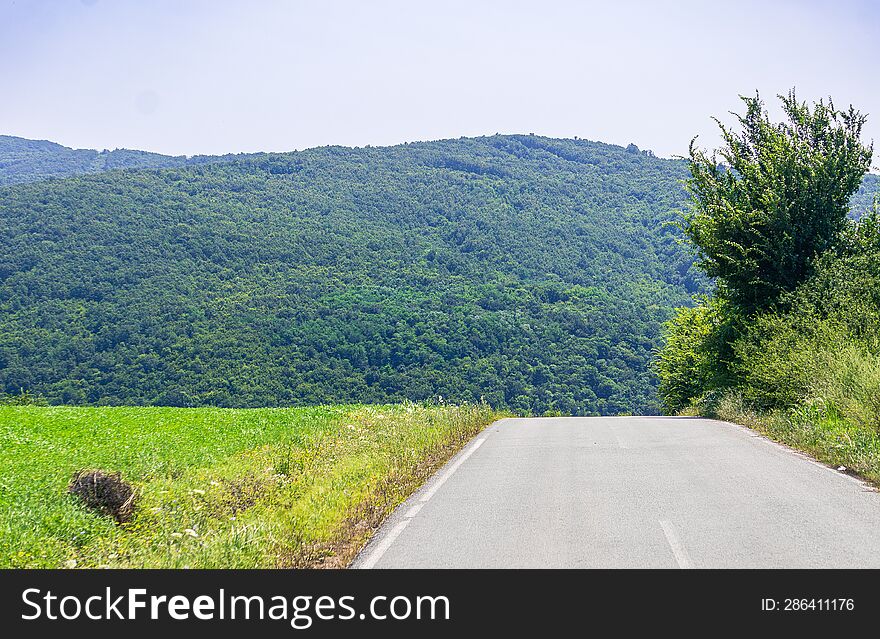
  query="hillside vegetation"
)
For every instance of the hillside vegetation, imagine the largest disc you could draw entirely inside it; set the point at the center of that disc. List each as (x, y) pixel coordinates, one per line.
(217, 488)
(790, 341)
(532, 272)
(23, 160)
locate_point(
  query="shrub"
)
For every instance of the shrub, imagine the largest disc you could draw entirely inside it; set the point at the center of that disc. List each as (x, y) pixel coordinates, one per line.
(850, 381)
(23, 398)
(695, 357)
(777, 361)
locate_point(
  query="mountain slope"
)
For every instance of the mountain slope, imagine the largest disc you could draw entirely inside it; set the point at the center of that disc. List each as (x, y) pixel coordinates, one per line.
(529, 271)
(863, 199)
(23, 160)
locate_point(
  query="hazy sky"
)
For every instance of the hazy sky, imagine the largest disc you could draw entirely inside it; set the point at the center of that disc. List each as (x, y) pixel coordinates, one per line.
(188, 77)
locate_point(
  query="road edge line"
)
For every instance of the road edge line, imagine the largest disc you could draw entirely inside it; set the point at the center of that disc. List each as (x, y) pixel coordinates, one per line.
(421, 498)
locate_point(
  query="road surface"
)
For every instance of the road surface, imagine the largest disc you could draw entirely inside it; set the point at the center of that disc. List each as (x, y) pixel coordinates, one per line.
(630, 492)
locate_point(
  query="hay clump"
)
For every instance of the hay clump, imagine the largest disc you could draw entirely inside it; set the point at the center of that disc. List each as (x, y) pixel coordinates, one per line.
(105, 492)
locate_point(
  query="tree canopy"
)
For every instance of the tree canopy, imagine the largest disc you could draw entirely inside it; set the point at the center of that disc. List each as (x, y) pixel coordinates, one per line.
(779, 198)
(796, 307)
(533, 272)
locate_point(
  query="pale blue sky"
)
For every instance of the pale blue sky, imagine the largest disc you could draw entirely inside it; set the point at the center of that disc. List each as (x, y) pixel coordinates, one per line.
(190, 76)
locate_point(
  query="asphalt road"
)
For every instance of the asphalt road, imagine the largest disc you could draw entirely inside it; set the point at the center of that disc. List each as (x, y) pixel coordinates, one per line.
(630, 492)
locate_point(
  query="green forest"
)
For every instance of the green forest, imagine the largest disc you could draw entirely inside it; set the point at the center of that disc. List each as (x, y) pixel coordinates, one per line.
(530, 272)
(23, 160)
(533, 273)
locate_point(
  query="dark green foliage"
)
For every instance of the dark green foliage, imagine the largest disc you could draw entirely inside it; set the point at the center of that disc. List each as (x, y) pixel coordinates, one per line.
(826, 343)
(533, 272)
(22, 398)
(779, 200)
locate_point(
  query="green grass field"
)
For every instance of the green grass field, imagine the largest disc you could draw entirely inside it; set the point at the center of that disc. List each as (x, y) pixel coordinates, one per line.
(217, 487)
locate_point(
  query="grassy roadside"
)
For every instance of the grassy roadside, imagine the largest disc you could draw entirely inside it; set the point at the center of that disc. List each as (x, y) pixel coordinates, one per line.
(816, 428)
(232, 488)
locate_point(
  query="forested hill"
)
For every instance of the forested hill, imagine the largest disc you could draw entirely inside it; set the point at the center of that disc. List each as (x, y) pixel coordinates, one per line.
(863, 199)
(530, 271)
(23, 160)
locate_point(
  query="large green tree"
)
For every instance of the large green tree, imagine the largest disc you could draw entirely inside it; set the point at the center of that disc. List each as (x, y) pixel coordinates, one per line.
(777, 197)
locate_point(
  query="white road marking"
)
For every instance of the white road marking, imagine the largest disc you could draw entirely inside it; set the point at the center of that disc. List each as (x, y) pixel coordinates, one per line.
(376, 555)
(620, 442)
(433, 489)
(678, 550)
(394, 533)
(779, 446)
(415, 509)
